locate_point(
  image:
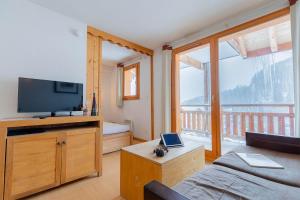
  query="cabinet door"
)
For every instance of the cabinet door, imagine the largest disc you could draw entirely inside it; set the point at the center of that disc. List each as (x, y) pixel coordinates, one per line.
(32, 164)
(78, 154)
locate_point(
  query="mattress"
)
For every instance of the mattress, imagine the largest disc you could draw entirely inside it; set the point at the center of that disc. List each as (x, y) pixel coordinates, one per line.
(113, 128)
(221, 183)
(289, 175)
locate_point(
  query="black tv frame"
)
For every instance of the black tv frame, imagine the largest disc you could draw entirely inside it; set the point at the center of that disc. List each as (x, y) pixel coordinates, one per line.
(60, 91)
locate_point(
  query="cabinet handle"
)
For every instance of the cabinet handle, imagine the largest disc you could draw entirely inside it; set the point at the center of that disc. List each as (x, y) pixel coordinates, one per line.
(58, 143)
(63, 142)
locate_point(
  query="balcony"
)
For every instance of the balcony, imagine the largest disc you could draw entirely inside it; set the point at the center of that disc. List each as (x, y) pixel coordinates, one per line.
(276, 119)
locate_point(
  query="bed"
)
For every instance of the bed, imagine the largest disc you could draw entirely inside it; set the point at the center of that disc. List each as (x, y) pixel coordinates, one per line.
(115, 136)
(230, 178)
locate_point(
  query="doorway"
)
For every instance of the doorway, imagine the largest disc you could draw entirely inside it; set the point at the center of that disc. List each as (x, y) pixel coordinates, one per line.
(197, 95)
(200, 86)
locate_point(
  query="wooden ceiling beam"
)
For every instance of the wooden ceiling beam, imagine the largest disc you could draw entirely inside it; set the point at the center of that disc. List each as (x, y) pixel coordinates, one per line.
(273, 39)
(259, 27)
(238, 47)
(234, 44)
(264, 51)
(120, 41)
(191, 62)
(242, 47)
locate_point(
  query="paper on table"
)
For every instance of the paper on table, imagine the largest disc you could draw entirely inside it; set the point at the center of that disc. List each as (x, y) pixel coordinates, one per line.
(259, 160)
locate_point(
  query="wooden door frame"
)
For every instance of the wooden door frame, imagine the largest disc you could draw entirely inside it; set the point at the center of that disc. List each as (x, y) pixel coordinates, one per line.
(175, 125)
(135, 47)
(214, 41)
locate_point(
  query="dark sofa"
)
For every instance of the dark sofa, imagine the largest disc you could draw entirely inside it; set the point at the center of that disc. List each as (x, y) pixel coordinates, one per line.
(231, 178)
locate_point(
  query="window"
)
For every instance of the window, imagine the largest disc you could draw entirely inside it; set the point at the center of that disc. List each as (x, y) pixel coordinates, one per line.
(131, 82)
(256, 82)
(195, 92)
(243, 83)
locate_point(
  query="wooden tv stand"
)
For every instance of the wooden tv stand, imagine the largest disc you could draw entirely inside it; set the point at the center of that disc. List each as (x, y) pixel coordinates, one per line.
(39, 154)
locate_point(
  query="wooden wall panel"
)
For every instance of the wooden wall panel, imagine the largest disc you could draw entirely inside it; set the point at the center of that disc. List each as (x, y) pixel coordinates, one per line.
(94, 52)
(94, 65)
(89, 71)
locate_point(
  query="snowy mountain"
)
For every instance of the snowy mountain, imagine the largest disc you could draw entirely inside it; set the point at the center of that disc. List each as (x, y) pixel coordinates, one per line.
(273, 84)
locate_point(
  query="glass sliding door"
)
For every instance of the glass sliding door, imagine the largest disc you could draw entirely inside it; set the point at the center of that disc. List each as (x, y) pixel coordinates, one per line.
(256, 82)
(195, 94)
(235, 81)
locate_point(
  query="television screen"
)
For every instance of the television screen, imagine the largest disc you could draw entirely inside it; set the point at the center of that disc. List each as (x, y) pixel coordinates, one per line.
(36, 95)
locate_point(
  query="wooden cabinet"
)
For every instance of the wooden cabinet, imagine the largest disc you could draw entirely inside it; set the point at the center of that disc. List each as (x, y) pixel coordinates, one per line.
(139, 166)
(115, 142)
(78, 154)
(42, 161)
(32, 164)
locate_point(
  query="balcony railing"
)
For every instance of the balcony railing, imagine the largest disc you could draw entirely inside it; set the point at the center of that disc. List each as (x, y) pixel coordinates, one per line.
(236, 119)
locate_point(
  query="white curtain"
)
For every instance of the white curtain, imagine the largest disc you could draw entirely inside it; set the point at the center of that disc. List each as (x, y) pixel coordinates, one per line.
(119, 99)
(295, 22)
(166, 90)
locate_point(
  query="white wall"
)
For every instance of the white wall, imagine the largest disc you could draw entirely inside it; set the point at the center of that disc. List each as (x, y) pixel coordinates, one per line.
(158, 89)
(136, 110)
(231, 22)
(37, 43)
(111, 112)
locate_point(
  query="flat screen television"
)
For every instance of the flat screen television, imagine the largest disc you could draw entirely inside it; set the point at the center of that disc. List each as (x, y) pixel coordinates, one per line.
(35, 95)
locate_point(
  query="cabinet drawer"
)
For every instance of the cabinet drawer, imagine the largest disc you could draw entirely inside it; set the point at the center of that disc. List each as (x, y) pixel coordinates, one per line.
(32, 165)
(78, 154)
(111, 144)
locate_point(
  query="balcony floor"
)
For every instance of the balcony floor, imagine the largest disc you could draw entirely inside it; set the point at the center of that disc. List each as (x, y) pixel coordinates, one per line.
(227, 144)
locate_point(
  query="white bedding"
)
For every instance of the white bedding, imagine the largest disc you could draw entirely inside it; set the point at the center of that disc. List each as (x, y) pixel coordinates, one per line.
(112, 128)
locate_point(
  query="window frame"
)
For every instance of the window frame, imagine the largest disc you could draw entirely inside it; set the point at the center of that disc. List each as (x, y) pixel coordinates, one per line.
(129, 67)
(213, 39)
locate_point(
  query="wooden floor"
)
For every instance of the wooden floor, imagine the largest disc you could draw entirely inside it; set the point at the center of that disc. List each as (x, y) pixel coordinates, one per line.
(106, 187)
